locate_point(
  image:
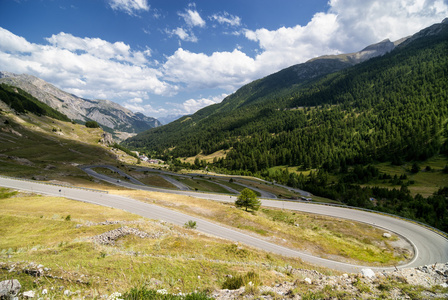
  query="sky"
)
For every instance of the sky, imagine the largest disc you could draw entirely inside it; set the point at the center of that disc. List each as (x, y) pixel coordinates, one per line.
(173, 57)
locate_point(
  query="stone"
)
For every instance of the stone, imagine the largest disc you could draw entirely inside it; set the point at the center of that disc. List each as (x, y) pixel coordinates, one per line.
(9, 288)
(387, 235)
(29, 294)
(368, 273)
(308, 280)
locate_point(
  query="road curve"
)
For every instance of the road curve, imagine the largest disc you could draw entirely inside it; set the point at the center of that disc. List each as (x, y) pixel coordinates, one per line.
(430, 247)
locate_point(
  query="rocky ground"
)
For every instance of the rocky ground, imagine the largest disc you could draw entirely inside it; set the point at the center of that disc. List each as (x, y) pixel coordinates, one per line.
(427, 282)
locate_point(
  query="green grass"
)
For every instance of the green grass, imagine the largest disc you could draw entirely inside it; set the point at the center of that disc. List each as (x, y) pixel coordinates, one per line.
(30, 148)
(232, 185)
(279, 191)
(424, 182)
(203, 185)
(157, 181)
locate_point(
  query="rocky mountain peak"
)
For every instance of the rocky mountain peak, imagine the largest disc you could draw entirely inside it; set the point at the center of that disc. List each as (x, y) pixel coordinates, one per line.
(107, 113)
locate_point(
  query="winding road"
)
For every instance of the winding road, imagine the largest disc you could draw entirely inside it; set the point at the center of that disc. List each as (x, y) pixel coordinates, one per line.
(429, 246)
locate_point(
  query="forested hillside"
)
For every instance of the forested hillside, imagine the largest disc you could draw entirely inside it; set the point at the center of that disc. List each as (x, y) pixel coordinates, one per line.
(23, 102)
(391, 108)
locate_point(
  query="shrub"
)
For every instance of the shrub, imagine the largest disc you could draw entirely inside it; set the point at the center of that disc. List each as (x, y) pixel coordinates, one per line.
(190, 224)
(92, 124)
(234, 283)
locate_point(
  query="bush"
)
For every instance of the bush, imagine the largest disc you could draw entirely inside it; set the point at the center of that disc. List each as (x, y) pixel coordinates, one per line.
(234, 283)
(190, 224)
(92, 124)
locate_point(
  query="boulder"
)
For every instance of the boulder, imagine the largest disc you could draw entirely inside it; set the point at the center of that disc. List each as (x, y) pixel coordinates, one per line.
(9, 288)
(29, 294)
(368, 273)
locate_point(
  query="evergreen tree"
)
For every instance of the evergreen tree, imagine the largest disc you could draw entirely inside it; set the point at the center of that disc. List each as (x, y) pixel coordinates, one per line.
(248, 200)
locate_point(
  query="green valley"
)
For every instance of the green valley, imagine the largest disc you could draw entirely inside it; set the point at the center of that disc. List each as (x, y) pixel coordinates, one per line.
(344, 127)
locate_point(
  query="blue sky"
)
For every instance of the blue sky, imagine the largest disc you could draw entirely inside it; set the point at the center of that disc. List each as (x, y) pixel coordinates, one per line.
(171, 57)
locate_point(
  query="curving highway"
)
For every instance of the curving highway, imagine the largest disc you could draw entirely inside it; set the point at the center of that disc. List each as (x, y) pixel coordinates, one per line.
(429, 246)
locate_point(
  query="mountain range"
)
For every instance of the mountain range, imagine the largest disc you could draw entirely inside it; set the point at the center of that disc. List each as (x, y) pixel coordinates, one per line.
(111, 116)
(279, 119)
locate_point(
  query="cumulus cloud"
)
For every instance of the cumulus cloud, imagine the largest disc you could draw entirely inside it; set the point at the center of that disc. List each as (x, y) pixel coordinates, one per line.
(192, 18)
(225, 70)
(362, 23)
(348, 26)
(91, 68)
(129, 6)
(227, 19)
(291, 45)
(98, 48)
(10, 42)
(187, 107)
(183, 34)
(192, 105)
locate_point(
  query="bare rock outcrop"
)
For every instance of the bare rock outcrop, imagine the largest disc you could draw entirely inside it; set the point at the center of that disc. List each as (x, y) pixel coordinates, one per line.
(9, 289)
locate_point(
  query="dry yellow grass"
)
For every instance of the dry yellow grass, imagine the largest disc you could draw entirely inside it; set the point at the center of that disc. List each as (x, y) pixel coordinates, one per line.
(56, 233)
(319, 235)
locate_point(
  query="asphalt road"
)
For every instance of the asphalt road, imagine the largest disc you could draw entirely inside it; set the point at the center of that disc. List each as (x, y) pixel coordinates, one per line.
(430, 247)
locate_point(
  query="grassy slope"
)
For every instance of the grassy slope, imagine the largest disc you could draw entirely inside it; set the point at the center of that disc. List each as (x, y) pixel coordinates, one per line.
(327, 237)
(55, 232)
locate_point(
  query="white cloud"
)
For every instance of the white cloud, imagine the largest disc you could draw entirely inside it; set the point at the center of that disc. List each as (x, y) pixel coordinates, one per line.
(184, 35)
(191, 105)
(192, 18)
(98, 48)
(187, 107)
(369, 21)
(10, 42)
(136, 100)
(226, 70)
(129, 6)
(226, 18)
(91, 68)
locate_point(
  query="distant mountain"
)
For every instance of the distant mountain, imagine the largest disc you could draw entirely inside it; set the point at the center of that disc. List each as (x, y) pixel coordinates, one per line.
(168, 119)
(385, 103)
(110, 115)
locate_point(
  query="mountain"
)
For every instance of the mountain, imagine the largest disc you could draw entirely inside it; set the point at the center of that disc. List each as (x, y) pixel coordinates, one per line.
(169, 119)
(259, 92)
(110, 115)
(384, 103)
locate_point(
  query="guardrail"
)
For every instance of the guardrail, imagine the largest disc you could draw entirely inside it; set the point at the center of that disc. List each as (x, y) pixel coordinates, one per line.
(56, 184)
